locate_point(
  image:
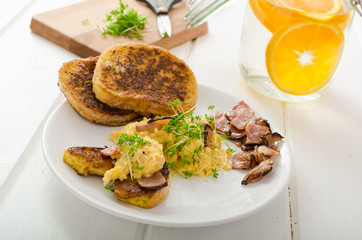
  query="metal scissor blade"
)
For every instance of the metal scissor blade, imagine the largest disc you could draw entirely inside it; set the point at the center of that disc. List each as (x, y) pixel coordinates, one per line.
(164, 25)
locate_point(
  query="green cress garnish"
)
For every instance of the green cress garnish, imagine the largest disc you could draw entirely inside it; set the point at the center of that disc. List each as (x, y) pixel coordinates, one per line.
(123, 21)
(215, 172)
(184, 133)
(131, 144)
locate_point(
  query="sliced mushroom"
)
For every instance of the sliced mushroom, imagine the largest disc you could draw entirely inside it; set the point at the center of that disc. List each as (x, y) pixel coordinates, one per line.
(208, 133)
(112, 150)
(262, 153)
(127, 189)
(154, 182)
(246, 147)
(262, 122)
(153, 123)
(258, 172)
(271, 138)
(158, 119)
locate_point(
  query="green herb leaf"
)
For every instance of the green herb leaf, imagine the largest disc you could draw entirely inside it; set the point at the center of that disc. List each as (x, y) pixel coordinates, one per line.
(140, 167)
(123, 21)
(109, 187)
(188, 174)
(171, 164)
(85, 21)
(211, 107)
(215, 173)
(185, 159)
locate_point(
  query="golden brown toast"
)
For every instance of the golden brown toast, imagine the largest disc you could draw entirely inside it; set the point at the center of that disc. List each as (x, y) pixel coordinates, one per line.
(75, 81)
(143, 78)
(87, 160)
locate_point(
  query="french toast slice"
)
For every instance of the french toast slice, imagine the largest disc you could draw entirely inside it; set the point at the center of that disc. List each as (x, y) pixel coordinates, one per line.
(75, 81)
(88, 160)
(143, 78)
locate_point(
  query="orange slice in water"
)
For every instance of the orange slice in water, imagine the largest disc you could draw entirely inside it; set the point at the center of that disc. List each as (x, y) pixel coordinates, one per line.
(277, 14)
(314, 6)
(303, 58)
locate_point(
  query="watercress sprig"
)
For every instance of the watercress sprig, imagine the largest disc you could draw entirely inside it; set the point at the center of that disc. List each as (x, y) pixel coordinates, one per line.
(123, 21)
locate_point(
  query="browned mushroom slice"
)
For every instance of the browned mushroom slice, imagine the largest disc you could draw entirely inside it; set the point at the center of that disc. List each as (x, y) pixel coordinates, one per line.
(238, 143)
(241, 160)
(112, 150)
(154, 182)
(208, 136)
(127, 189)
(271, 138)
(208, 133)
(245, 146)
(154, 123)
(262, 153)
(158, 119)
(165, 170)
(258, 172)
(262, 122)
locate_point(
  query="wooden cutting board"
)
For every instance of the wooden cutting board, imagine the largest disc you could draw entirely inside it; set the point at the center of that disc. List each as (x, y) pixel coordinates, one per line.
(74, 27)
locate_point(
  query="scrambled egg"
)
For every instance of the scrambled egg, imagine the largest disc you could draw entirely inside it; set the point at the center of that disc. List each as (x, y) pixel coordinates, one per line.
(146, 160)
(192, 159)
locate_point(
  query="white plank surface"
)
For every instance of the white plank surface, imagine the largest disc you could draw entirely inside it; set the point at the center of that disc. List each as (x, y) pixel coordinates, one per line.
(10, 11)
(29, 74)
(326, 190)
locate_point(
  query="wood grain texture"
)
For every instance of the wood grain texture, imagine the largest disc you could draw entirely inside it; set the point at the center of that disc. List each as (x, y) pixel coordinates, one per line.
(65, 27)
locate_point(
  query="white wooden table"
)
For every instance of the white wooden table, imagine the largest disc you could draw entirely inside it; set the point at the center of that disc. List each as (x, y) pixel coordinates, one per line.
(323, 200)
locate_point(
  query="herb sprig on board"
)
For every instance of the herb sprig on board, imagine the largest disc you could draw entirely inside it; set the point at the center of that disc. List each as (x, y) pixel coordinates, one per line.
(123, 21)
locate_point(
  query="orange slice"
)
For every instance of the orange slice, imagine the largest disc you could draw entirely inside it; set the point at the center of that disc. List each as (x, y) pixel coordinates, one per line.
(303, 58)
(277, 14)
(268, 14)
(314, 6)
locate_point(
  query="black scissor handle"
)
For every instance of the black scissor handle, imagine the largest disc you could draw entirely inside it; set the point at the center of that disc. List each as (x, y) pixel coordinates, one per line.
(168, 3)
(158, 8)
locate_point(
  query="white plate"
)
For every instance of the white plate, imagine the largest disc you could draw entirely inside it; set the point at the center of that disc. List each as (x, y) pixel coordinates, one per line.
(191, 202)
